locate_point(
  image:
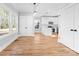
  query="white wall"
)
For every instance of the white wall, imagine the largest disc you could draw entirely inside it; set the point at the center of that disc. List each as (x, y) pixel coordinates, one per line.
(7, 39)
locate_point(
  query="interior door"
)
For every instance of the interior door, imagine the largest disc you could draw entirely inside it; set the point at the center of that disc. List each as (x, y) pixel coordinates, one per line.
(66, 27)
(26, 26)
(76, 28)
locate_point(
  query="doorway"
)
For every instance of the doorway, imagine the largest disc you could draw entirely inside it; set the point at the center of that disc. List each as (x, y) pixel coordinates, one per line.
(47, 25)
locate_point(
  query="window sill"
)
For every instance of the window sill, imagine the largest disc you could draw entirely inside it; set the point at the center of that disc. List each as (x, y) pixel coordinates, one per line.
(5, 35)
(1, 34)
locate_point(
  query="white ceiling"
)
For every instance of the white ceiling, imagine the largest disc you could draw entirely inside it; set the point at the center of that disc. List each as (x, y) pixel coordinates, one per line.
(42, 7)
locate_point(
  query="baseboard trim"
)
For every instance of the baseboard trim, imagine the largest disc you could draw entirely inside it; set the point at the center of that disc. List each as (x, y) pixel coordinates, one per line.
(68, 47)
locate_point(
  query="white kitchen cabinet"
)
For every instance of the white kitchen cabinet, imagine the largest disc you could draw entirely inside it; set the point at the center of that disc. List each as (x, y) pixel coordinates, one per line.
(69, 27)
(65, 26)
(76, 28)
(26, 26)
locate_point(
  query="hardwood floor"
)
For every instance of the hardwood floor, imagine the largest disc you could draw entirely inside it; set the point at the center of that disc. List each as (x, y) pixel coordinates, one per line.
(39, 45)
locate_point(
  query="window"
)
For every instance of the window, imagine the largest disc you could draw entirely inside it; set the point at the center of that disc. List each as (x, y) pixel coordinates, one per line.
(4, 21)
(14, 23)
(8, 21)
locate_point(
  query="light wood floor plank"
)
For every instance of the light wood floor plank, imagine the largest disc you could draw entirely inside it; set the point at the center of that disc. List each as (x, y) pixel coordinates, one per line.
(39, 45)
